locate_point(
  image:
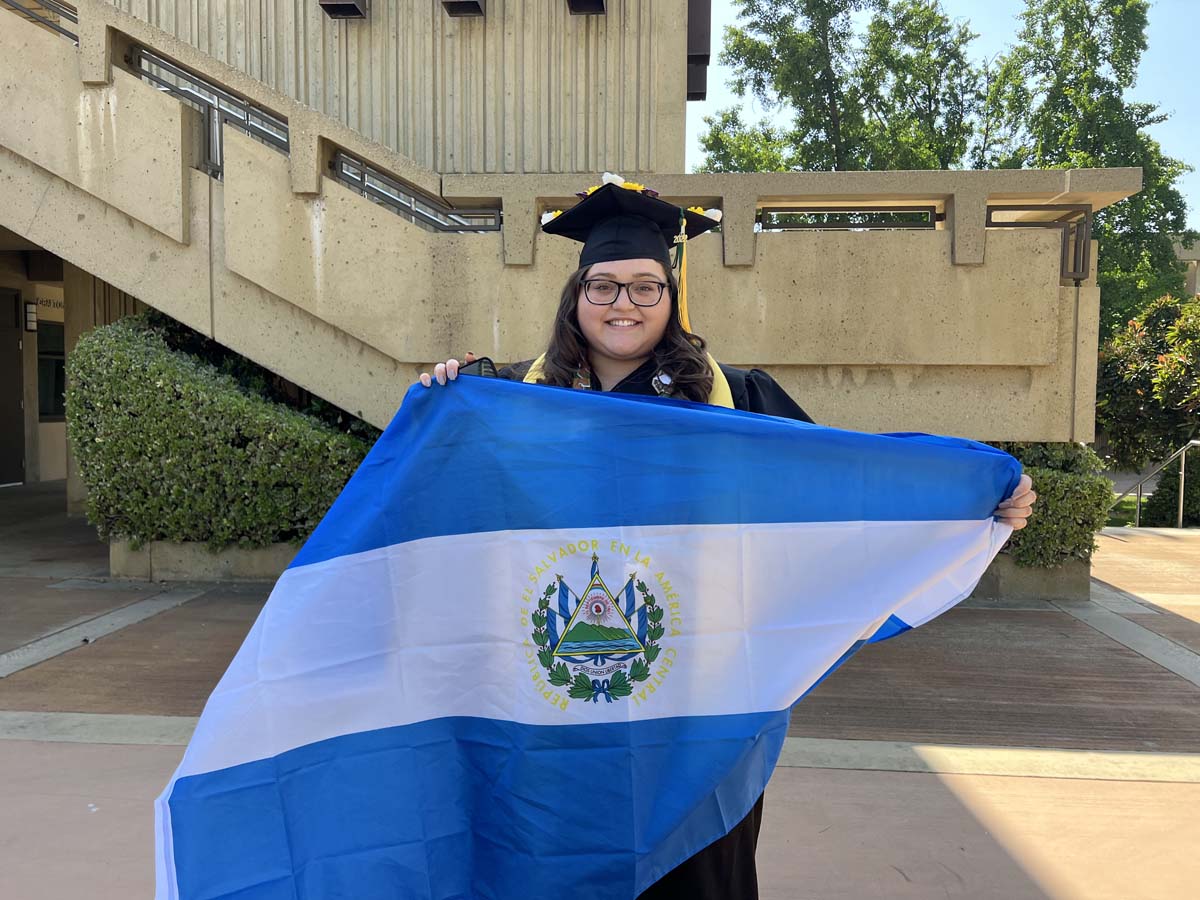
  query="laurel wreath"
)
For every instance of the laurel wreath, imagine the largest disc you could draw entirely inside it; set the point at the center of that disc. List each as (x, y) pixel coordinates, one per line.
(581, 688)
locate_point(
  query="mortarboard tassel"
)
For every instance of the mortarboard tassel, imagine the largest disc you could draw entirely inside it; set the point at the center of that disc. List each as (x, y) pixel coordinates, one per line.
(681, 239)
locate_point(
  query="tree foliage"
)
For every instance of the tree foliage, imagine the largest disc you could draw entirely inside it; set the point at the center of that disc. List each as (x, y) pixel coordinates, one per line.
(1149, 383)
(902, 94)
(1058, 101)
(891, 84)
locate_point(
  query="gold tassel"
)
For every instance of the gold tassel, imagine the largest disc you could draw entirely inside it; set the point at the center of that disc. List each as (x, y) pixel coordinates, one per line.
(681, 244)
(683, 308)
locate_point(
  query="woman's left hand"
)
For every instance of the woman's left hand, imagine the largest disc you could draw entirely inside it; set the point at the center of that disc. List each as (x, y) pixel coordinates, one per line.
(1016, 509)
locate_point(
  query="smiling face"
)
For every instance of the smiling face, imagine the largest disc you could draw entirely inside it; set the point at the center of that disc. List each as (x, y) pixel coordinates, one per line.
(624, 332)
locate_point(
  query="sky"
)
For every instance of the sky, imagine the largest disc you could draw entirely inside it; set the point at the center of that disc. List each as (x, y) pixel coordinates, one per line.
(1166, 76)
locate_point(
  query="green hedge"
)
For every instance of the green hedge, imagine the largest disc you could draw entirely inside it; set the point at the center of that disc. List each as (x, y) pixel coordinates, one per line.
(172, 449)
(1162, 507)
(1072, 505)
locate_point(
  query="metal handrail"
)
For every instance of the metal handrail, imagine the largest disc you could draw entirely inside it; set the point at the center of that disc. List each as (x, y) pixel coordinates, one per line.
(59, 9)
(385, 190)
(1181, 453)
(216, 106)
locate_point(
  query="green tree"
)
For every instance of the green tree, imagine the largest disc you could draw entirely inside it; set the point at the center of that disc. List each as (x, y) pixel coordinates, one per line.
(920, 89)
(732, 146)
(903, 94)
(1057, 100)
(1149, 383)
(794, 57)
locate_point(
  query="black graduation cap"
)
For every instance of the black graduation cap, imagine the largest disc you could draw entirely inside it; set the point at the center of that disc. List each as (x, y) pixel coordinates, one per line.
(614, 223)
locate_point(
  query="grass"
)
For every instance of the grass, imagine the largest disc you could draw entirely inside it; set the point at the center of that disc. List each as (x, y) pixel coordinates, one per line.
(1122, 513)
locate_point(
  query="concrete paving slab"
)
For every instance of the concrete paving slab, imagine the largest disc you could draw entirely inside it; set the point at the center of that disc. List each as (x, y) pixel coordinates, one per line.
(1182, 630)
(95, 628)
(31, 608)
(946, 759)
(39, 540)
(166, 665)
(1005, 678)
(1186, 608)
(830, 835)
(1157, 560)
(96, 728)
(1124, 629)
(78, 820)
(1116, 600)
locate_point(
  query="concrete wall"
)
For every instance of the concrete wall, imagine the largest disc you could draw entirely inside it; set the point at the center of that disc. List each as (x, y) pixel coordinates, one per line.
(1190, 257)
(526, 88)
(118, 141)
(52, 451)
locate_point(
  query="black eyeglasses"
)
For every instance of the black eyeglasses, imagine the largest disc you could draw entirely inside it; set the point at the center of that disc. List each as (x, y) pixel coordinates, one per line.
(602, 292)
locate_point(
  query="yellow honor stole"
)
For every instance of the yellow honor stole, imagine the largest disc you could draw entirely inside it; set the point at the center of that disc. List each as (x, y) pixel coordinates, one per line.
(720, 395)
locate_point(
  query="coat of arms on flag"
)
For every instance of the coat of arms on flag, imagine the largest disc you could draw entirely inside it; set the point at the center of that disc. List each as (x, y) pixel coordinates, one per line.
(395, 726)
(596, 643)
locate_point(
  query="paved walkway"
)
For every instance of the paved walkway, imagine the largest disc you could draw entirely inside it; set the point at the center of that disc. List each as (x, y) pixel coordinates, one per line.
(1017, 751)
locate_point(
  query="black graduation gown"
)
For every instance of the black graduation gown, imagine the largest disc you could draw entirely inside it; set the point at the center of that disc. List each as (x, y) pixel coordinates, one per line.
(725, 869)
(753, 389)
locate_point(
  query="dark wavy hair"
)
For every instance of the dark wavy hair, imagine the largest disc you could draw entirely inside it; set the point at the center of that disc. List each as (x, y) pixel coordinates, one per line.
(679, 354)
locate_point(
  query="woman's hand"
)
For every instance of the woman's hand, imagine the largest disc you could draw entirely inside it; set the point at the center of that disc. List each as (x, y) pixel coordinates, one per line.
(1016, 509)
(447, 371)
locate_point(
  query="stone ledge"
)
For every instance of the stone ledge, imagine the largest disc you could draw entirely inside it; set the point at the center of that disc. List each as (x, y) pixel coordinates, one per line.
(170, 561)
(1005, 580)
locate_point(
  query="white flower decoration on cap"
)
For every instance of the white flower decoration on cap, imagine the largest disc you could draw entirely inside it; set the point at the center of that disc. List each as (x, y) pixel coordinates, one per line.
(610, 178)
(551, 215)
(714, 214)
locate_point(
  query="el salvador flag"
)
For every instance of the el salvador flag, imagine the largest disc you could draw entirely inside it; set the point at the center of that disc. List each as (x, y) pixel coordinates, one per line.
(546, 641)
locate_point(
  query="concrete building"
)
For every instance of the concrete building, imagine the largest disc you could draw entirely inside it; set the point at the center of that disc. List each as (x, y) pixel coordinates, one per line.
(346, 201)
(1190, 257)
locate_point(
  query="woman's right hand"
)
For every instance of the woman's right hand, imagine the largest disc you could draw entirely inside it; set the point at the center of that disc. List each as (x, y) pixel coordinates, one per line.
(447, 371)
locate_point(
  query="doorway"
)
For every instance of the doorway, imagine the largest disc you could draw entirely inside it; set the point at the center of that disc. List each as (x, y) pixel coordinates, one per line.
(12, 391)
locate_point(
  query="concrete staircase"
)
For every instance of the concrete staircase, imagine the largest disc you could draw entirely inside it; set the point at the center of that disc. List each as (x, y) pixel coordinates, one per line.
(958, 329)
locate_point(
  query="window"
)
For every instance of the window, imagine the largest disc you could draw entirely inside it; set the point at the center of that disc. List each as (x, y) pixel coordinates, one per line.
(51, 371)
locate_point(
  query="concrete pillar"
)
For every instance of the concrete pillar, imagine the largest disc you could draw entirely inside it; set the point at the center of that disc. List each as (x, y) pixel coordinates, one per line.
(29, 374)
(79, 317)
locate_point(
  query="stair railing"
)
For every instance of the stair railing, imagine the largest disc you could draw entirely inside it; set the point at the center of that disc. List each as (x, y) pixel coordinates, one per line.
(217, 107)
(1181, 455)
(37, 11)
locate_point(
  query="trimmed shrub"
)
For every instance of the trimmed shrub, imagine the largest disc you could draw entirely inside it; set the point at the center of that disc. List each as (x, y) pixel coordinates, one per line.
(1162, 507)
(172, 449)
(253, 379)
(1073, 501)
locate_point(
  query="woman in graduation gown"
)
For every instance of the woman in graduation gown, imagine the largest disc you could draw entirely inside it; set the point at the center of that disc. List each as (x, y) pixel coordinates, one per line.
(622, 325)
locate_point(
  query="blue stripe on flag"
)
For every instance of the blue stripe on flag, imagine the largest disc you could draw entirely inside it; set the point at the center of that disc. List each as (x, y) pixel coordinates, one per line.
(889, 629)
(415, 811)
(594, 460)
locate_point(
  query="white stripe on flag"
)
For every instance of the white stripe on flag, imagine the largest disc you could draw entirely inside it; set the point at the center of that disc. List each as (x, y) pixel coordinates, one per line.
(440, 627)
